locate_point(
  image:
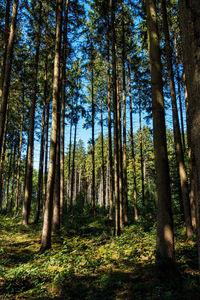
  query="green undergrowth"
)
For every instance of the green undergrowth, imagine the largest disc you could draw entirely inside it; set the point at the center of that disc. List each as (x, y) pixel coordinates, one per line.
(87, 262)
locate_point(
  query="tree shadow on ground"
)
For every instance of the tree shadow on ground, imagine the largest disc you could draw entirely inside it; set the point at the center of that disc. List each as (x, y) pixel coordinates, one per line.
(145, 282)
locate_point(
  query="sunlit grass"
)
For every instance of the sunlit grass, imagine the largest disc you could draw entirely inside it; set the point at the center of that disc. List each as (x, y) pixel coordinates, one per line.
(87, 262)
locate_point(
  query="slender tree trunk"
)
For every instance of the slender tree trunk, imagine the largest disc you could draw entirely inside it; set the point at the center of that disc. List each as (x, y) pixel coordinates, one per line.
(165, 237)
(63, 111)
(2, 161)
(141, 154)
(30, 146)
(93, 142)
(179, 95)
(102, 160)
(5, 44)
(8, 178)
(46, 153)
(176, 127)
(19, 161)
(41, 164)
(119, 112)
(13, 178)
(56, 197)
(73, 166)
(47, 224)
(116, 153)
(125, 188)
(69, 165)
(110, 134)
(132, 148)
(8, 67)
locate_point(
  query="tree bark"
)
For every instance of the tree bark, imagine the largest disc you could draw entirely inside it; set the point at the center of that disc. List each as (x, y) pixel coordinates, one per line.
(176, 127)
(73, 167)
(19, 160)
(141, 154)
(132, 148)
(63, 111)
(46, 154)
(47, 223)
(110, 133)
(189, 12)
(5, 44)
(41, 163)
(165, 237)
(102, 160)
(30, 146)
(93, 141)
(116, 153)
(125, 188)
(8, 67)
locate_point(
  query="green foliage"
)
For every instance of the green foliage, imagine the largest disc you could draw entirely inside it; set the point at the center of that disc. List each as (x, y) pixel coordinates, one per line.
(86, 262)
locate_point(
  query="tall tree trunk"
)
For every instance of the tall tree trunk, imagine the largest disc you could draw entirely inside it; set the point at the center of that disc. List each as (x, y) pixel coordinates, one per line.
(56, 197)
(125, 188)
(191, 169)
(30, 146)
(13, 178)
(165, 237)
(189, 12)
(8, 177)
(8, 67)
(63, 111)
(179, 95)
(69, 165)
(111, 184)
(73, 167)
(176, 127)
(116, 153)
(93, 141)
(141, 154)
(102, 159)
(19, 160)
(132, 148)
(2, 160)
(47, 224)
(119, 112)
(46, 153)
(5, 44)
(41, 163)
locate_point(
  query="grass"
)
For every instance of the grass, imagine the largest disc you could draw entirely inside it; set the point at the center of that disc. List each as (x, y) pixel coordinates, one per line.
(87, 262)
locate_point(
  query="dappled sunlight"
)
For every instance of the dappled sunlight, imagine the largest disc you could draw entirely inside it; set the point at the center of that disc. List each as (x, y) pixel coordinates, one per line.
(90, 266)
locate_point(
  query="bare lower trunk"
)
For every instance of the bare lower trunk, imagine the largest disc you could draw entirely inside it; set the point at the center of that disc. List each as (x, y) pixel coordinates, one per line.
(30, 146)
(176, 127)
(2, 161)
(93, 144)
(165, 237)
(47, 224)
(63, 112)
(116, 153)
(111, 181)
(125, 188)
(189, 12)
(132, 149)
(40, 174)
(19, 162)
(46, 154)
(73, 166)
(141, 154)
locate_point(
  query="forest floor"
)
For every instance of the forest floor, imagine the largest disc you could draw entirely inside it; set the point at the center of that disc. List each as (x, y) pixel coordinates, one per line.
(87, 262)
